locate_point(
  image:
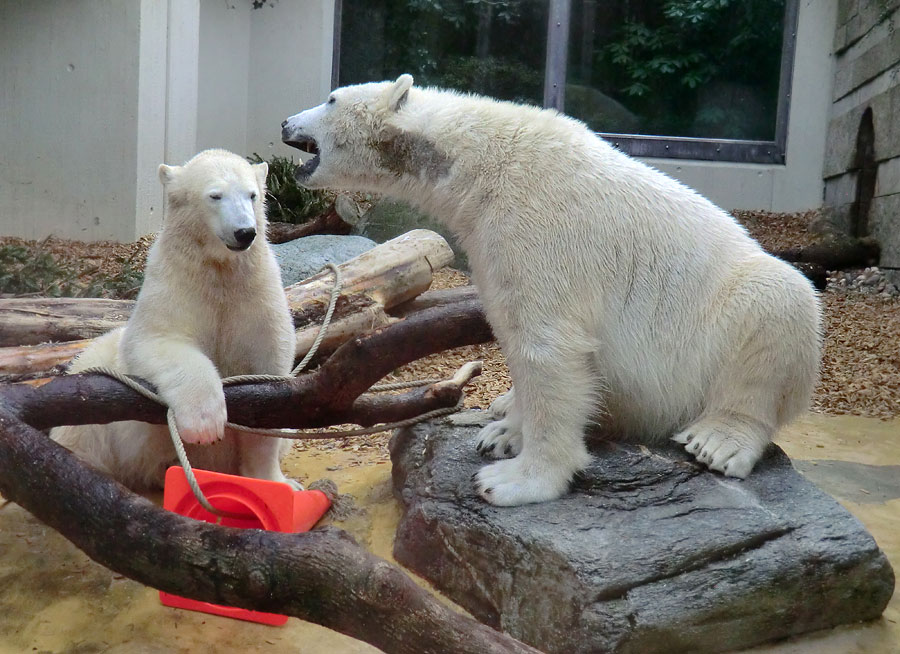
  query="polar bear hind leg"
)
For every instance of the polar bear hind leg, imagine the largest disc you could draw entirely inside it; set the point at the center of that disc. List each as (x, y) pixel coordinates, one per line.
(261, 457)
(768, 380)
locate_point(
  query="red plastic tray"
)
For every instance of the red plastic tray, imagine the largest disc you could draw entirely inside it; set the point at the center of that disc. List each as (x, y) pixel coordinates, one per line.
(262, 504)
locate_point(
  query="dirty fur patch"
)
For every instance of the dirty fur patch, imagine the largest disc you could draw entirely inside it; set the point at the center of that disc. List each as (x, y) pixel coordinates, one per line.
(403, 153)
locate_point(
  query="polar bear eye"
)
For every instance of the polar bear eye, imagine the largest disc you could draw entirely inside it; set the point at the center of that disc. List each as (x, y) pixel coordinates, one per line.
(332, 100)
(253, 195)
(215, 196)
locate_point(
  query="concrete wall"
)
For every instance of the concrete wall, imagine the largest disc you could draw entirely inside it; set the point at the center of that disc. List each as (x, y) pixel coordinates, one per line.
(796, 185)
(257, 67)
(69, 76)
(867, 77)
(95, 94)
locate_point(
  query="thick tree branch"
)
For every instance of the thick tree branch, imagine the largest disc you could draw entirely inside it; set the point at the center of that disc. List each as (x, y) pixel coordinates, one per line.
(321, 398)
(322, 576)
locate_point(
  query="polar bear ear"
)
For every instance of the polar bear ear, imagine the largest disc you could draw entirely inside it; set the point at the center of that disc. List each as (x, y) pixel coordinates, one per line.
(167, 173)
(399, 92)
(262, 170)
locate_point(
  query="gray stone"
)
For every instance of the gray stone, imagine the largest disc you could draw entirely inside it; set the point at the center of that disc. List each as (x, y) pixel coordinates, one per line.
(304, 257)
(649, 553)
(389, 218)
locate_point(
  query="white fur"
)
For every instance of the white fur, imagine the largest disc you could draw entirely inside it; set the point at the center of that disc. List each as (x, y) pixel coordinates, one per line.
(205, 311)
(618, 295)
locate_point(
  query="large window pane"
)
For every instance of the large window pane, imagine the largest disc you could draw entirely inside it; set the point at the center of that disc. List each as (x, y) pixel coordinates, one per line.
(684, 68)
(493, 47)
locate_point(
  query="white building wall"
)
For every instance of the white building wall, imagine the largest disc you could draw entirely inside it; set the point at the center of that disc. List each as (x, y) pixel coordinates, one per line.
(68, 113)
(257, 67)
(95, 94)
(224, 66)
(292, 75)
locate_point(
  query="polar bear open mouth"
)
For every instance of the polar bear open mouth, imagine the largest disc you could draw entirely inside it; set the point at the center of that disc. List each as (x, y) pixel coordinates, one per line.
(307, 144)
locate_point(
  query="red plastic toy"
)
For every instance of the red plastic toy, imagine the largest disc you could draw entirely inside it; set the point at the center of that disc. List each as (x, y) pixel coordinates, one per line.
(269, 505)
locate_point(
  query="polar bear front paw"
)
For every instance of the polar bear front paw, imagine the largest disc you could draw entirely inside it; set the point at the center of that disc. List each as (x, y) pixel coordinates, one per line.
(500, 439)
(729, 446)
(517, 481)
(202, 423)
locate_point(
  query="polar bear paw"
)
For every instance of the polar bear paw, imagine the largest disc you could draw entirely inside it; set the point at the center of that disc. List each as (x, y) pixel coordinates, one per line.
(731, 446)
(202, 423)
(500, 439)
(503, 405)
(518, 481)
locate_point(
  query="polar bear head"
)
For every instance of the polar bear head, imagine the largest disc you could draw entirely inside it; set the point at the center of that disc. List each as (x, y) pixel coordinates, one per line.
(217, 193)
(358, 142)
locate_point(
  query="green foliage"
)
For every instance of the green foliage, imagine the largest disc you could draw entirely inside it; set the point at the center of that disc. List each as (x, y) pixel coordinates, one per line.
(658, 61)
(26, 272)
(33, 271)
(492, 47)
(501, 78)
(123, 285)
(286, 201)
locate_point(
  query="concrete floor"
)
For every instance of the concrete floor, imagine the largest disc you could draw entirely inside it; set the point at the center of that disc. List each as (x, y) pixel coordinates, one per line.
(54, 599)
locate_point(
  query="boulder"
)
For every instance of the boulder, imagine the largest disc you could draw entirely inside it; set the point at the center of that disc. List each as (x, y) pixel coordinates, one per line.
(304, 257)
(649, 553)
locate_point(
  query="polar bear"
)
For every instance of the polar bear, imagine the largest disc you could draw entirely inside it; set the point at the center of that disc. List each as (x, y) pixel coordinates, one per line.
(618, 295)
(211, 305)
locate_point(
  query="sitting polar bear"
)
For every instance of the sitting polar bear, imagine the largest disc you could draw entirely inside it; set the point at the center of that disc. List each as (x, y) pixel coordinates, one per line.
(211, 304)
(617, 294)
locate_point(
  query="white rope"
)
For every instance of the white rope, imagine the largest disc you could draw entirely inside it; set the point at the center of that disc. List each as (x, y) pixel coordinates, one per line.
(332, 302)
(306, 434)
(282, 433)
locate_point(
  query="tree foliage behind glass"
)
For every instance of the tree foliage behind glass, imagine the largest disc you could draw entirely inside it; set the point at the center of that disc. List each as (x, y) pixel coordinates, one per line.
(491, 47)
(706, 68)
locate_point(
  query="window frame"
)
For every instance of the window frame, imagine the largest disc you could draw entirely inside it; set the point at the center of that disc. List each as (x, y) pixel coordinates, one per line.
(650, 146)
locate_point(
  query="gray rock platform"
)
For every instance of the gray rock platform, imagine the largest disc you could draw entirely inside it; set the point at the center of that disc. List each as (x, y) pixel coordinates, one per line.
(649, 553)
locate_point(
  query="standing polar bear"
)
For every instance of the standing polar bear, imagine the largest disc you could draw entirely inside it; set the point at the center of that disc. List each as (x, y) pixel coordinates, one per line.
(211, 305)
(617, 294)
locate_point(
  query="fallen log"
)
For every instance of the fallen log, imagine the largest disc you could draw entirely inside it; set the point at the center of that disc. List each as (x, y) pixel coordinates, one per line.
(31, 361)
(328, 223)
(29, 321)
(322, 576)
(835, 253)
(387, 275)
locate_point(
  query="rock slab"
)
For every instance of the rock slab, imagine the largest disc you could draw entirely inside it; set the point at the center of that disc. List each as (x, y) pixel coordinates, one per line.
(649, 553)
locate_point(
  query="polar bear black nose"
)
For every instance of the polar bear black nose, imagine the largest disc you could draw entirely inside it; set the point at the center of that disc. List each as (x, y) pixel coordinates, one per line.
(283, 124)
(244, 237)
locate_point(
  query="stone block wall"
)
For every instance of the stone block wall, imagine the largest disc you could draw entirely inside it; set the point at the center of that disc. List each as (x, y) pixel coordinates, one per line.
(862, 158)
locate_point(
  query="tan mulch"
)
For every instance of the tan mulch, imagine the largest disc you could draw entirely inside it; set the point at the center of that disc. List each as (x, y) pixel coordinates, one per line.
(779, 231)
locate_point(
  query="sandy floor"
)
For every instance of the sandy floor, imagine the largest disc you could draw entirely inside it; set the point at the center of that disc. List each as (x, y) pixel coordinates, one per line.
(54, 599)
